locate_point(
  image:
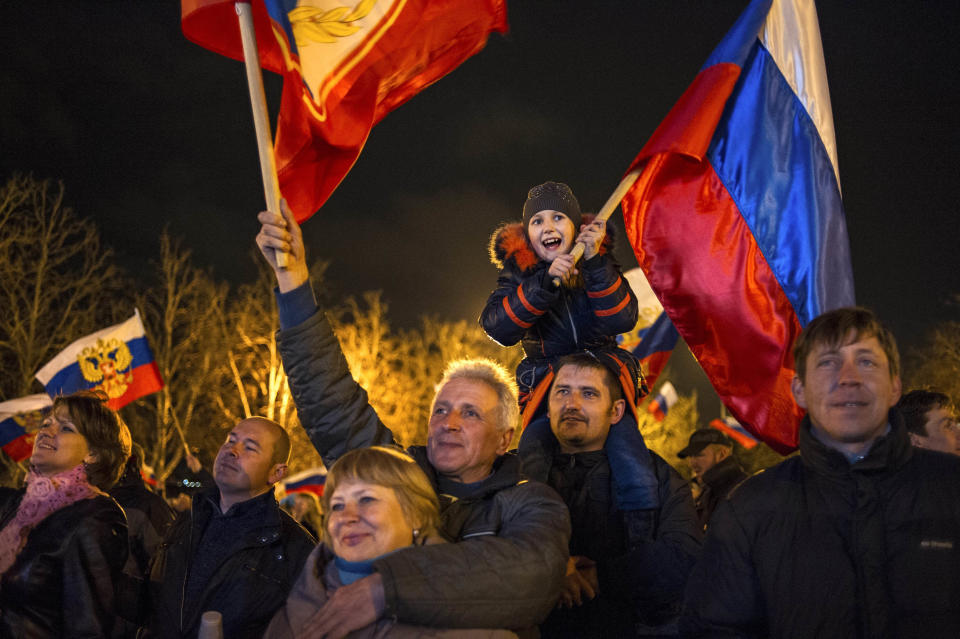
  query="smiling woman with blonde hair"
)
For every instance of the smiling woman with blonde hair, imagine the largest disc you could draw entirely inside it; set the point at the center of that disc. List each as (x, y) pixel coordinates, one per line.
(63, 541)
(376, 501)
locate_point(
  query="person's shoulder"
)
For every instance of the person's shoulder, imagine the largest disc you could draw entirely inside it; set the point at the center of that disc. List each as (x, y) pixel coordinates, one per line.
(294, 534)
(99, 518)
(765, 487)
(937, 466)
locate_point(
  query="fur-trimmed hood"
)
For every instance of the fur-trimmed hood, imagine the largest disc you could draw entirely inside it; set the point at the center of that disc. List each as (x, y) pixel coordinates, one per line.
(509, 244)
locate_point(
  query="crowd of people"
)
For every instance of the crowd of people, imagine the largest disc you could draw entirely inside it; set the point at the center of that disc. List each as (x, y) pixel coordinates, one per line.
(581, 531)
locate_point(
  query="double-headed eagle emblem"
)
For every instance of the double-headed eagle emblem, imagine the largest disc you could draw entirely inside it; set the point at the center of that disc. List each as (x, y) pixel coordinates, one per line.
(107, 364)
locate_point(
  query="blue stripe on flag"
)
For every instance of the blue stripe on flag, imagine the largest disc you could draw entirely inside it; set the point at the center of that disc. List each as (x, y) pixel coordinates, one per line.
(735, 46)
(10, 430)
(795, 214)
(660, 336)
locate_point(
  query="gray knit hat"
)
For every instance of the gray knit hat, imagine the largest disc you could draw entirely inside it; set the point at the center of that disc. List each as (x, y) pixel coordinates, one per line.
(551, 196)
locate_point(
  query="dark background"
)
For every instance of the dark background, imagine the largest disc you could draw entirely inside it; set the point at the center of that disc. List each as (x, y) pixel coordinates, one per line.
(148, 130)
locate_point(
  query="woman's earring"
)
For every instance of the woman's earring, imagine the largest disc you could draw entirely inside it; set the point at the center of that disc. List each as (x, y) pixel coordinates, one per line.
(416, 533)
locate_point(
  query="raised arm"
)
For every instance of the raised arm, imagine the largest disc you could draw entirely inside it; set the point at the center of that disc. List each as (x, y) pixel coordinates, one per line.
(333, 409)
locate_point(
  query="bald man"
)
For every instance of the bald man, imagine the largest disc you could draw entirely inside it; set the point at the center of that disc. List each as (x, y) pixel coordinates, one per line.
(235, 551)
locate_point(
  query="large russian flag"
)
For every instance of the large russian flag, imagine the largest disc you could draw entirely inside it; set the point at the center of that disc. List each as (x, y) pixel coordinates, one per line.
(116, 360)
(345, 66)
(20, 420)
(736, 218)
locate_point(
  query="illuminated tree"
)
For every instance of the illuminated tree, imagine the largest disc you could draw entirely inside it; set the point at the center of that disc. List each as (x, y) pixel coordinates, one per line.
(55, 280)
(183, 313)
(936, 363)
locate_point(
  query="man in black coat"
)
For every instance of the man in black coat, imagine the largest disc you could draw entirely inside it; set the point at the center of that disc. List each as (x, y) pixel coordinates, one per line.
(859, 536)
(235, 551)
(628, 565)
(709, 453)
(506, 567)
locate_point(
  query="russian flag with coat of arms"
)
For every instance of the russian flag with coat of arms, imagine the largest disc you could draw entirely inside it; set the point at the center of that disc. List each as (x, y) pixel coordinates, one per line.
(116, 360)
(736, 217)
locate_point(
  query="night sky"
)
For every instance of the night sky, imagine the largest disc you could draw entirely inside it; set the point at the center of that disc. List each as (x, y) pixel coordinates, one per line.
(148, 130)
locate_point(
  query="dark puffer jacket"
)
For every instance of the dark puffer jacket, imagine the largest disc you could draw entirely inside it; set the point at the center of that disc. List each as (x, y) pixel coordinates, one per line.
(63, 582)
(643, 557)
(819, 547)
(552, 321)
(247, 587)
(506, 570)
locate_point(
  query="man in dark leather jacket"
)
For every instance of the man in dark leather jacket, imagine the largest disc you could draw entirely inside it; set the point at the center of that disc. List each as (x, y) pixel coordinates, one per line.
(859, 536)
(235, 551)
(505, 571)
(628, 566)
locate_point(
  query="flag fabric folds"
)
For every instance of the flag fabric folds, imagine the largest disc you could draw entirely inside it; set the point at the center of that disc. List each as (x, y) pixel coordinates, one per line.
(736, 218)
(116, 360)
(344, 67)
(308, 481)
(663, 401)
(653, 339)
(20, 420)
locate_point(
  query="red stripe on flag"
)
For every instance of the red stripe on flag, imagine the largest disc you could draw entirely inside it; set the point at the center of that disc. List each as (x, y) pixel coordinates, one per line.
(146, 380)
(733, 433)
(20, 448)
(713, 281)
(653, 365)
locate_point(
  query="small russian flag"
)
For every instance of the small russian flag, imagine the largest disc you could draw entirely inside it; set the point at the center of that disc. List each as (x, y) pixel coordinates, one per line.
(661, 404)
(116, 360)
(735, 431)
(19, 422)
(311, 480)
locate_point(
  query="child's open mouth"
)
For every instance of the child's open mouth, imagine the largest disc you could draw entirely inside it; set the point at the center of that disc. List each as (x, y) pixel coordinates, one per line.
(552, 243)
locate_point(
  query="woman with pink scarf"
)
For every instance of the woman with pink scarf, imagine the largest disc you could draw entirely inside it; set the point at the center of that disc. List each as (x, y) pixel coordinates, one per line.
(63, 541)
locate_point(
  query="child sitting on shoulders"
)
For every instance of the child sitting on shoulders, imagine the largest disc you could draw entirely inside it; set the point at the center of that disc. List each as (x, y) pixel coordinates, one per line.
(554, 308)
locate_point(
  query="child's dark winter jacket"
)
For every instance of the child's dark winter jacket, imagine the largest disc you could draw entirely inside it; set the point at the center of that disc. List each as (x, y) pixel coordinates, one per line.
(552, 320)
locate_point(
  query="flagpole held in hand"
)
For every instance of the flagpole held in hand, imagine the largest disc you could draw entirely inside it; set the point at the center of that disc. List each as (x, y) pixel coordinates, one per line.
(258, 101)
(612, 203)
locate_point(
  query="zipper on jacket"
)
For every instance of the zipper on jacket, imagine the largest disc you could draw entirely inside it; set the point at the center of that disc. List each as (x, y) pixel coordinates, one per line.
(573, 326)
(186, 573)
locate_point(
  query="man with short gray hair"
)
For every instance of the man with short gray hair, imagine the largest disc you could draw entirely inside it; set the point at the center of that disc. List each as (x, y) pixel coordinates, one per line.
(506, 567)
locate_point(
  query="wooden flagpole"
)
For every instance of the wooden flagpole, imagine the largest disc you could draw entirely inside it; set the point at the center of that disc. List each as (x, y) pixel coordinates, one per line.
(261, 121)
(612, 202)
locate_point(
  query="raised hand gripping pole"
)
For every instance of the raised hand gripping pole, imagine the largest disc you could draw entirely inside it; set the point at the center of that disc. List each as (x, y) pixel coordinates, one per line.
(261, 122)
(612, 202)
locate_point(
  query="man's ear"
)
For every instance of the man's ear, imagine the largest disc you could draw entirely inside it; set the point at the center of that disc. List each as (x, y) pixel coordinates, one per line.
(897, 389)
(796, 387)
(506, 437)
(617, 410)
(915, 440)
(278, 472)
